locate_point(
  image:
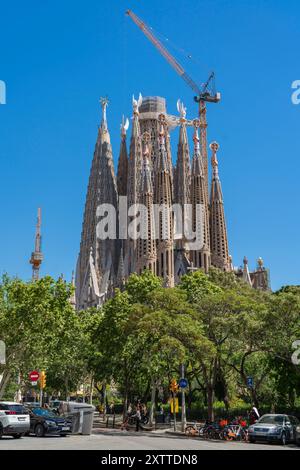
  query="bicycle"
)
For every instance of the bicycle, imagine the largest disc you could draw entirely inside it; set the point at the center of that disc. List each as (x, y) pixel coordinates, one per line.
(235, 432)
(193, 429)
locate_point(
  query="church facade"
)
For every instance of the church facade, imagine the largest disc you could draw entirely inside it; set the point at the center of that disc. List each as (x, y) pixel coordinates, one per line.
(147, 177)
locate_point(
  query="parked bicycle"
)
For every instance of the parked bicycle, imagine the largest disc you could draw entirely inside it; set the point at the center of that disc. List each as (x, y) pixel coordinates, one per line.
(222, 430)
(193, 429)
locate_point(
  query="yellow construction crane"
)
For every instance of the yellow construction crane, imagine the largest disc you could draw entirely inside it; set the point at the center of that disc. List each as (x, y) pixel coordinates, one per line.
(204, 94)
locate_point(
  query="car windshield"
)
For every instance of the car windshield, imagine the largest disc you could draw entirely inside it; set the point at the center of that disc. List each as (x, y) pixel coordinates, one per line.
(44, 413)
(271, 419)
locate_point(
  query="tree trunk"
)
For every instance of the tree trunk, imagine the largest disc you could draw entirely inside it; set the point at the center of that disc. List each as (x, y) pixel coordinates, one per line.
(210, 402)
(125, 403)
(91, 390)
(5, 379)
(254, 397)
(104, 400)
(18, 394)
(152, 406)
(67, 388)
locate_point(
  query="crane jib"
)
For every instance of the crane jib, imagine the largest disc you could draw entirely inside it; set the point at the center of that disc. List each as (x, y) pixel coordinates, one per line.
(203, 93)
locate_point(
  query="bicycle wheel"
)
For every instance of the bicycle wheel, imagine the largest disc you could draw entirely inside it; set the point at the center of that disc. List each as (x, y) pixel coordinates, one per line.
(202, 432)
(190, 430)
(228, 435)
(211, 433)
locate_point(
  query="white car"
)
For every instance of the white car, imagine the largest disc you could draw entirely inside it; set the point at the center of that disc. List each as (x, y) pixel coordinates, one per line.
(14, 419)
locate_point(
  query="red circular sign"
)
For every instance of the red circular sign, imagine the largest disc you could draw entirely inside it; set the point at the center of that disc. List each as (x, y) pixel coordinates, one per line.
(34, 376)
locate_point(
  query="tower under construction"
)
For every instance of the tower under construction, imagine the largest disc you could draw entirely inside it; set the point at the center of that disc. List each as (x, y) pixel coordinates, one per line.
(148, 175)
(37, 255)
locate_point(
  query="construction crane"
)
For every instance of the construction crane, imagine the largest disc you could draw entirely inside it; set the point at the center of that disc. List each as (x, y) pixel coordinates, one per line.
(37, 255)
(204, 94)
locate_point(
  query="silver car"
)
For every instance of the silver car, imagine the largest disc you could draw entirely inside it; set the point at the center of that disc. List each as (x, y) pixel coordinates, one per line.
(274, 428)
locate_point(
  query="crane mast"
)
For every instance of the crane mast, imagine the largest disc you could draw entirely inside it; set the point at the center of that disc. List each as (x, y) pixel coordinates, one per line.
(205, 93)
(37, 255)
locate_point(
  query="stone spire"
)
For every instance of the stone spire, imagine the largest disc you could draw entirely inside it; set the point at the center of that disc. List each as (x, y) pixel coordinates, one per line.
(261, 276)
(218, 231)
(133, 179)
(121, 275)
(135, 155)
(73, 296)
(102, 189)
(231, 267)
(246, 274)
(163, 197)
(200, 258)
(146, 249)
(182, 172)
(123, 161)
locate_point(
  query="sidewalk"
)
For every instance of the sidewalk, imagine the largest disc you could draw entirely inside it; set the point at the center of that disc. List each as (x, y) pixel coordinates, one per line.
(108, 425)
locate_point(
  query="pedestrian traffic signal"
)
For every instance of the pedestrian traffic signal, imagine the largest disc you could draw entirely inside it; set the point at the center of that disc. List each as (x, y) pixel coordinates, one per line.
(174, 386)
(43, 379)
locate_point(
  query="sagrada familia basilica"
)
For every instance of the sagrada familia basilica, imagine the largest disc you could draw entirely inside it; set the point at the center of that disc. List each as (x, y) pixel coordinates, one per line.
(146, 175)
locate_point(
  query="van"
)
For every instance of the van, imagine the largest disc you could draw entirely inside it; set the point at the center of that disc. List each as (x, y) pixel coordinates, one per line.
(14, 419)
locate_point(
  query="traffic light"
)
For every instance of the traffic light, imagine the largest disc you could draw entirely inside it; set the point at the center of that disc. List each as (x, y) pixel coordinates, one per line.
(43, 379)
(174, 386)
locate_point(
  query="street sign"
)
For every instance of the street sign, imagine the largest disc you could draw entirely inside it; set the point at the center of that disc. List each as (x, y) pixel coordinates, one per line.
(34, 376)
(183, 383)
(249, 382)
(33, 384)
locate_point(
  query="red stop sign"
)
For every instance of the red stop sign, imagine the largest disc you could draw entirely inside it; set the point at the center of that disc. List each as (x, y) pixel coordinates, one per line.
(34, 376)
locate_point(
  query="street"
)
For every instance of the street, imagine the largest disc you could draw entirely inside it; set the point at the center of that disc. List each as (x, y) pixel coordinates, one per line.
(123, 440)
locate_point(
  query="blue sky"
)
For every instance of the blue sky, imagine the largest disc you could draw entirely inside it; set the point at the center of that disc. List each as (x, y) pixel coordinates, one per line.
(58, 58)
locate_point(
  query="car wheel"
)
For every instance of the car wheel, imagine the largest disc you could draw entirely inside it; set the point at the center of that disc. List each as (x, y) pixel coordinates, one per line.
(63, 435)
(1, 431)
(298, 442)
(251, 440)
(283, 438)
(17, 436)
(39, 430)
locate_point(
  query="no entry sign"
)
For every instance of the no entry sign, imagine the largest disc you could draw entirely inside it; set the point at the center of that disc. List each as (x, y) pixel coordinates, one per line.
(34, 376)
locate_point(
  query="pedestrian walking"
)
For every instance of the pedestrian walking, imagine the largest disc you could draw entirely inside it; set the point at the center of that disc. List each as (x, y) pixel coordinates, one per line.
(253, 415)
(112, 408)
(138, 416)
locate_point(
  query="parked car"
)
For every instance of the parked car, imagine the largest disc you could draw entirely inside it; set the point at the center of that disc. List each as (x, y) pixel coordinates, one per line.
(274, 427)
(14, 419)
(298, 435)
(44, 421)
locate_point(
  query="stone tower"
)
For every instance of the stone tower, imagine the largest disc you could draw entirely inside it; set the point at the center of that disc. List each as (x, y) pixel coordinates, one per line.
(182, 171)
(123, 161)
(163, 198)
(133, 182)
(218, 230)
(97, 261)
(146, 245)
(200, 258)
